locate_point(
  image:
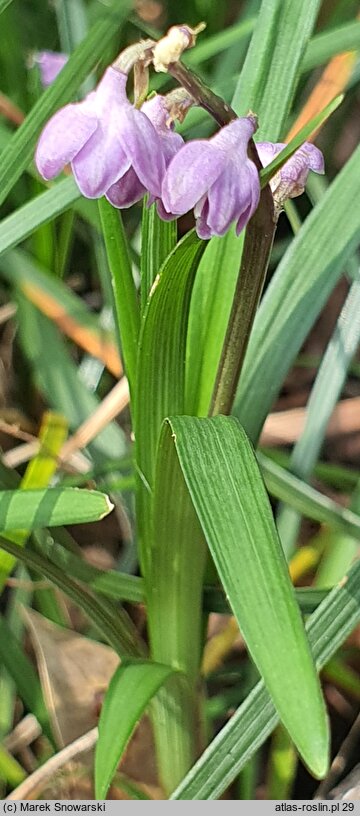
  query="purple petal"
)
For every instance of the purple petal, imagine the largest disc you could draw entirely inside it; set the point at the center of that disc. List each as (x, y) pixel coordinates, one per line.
(201, 213)
(234, 196)
(235, 136)
(50, 64)
(315, 158)
(102, 161)
(267, 151)
(63, 136)
(162, 213)
(127, 191)
(143, 146)
(190, 174)
(111, 91)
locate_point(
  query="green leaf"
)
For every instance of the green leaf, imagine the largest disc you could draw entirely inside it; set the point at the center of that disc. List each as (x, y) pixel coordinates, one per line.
(161, 363)
(10, 769)
(19, 151)
(256, 718)
(32, 509)
(40, 210)
(112, 623)
(299, 289)
(211, 301)
(324, 395)
(20, 668)
(269, 171)
(4, 4)
(126, 300)
(225, 485)
(130, 691)
(271, 70)
(328, 43)
(161, 389)
(305, 499)
(158, 239)
(307, 598)
(57, 376)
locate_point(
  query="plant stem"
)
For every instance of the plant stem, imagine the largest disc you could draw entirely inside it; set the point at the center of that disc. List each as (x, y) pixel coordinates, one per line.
(255, 258)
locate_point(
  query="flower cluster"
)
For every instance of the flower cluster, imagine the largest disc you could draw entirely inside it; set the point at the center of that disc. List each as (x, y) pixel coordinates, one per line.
(123, 152)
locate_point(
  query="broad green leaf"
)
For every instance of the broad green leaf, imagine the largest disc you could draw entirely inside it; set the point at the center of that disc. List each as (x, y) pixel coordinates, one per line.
(19, 151)
(161, 362)
(20, 669)
(174, 607)
(32, 509)
(299, 289)
(256, 718)
(158, 239)
(271, 70)
(112, 622)
(305, 499)
(130, 691)
(225, 485)
(125, 295)
(323, 397)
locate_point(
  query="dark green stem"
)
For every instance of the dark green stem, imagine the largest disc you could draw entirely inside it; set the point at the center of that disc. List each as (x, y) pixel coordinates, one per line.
(254, 263)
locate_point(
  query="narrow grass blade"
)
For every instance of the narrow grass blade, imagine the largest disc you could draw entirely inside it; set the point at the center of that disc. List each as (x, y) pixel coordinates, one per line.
(255, 719)
(10, 769)
(130, 691)
(57, 377)
(112, 623)
(299, 289)
(19, 151)
(328, 43)
(40, 210)
(60, 304)
(304, 498)
(225, 485)
(126, 300)
(19, 667)
(271, 70)
(324, 395)
(302, 136)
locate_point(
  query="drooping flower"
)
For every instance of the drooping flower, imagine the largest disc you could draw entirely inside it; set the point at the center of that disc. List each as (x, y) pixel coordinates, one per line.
(130, 189)
(291, 179)
(217, 178)
(50, 64)
(103, 137)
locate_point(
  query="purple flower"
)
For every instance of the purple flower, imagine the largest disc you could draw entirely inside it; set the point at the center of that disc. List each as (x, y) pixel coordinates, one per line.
(130, 189)
(216, 177)
(291, 179)
(50, 64)
(103, 137)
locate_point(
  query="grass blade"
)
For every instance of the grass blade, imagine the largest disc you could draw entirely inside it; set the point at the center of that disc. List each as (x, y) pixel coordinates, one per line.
(32, 509)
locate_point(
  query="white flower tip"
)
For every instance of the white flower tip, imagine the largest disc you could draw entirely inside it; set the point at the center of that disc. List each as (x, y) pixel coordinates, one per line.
(170, 48)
